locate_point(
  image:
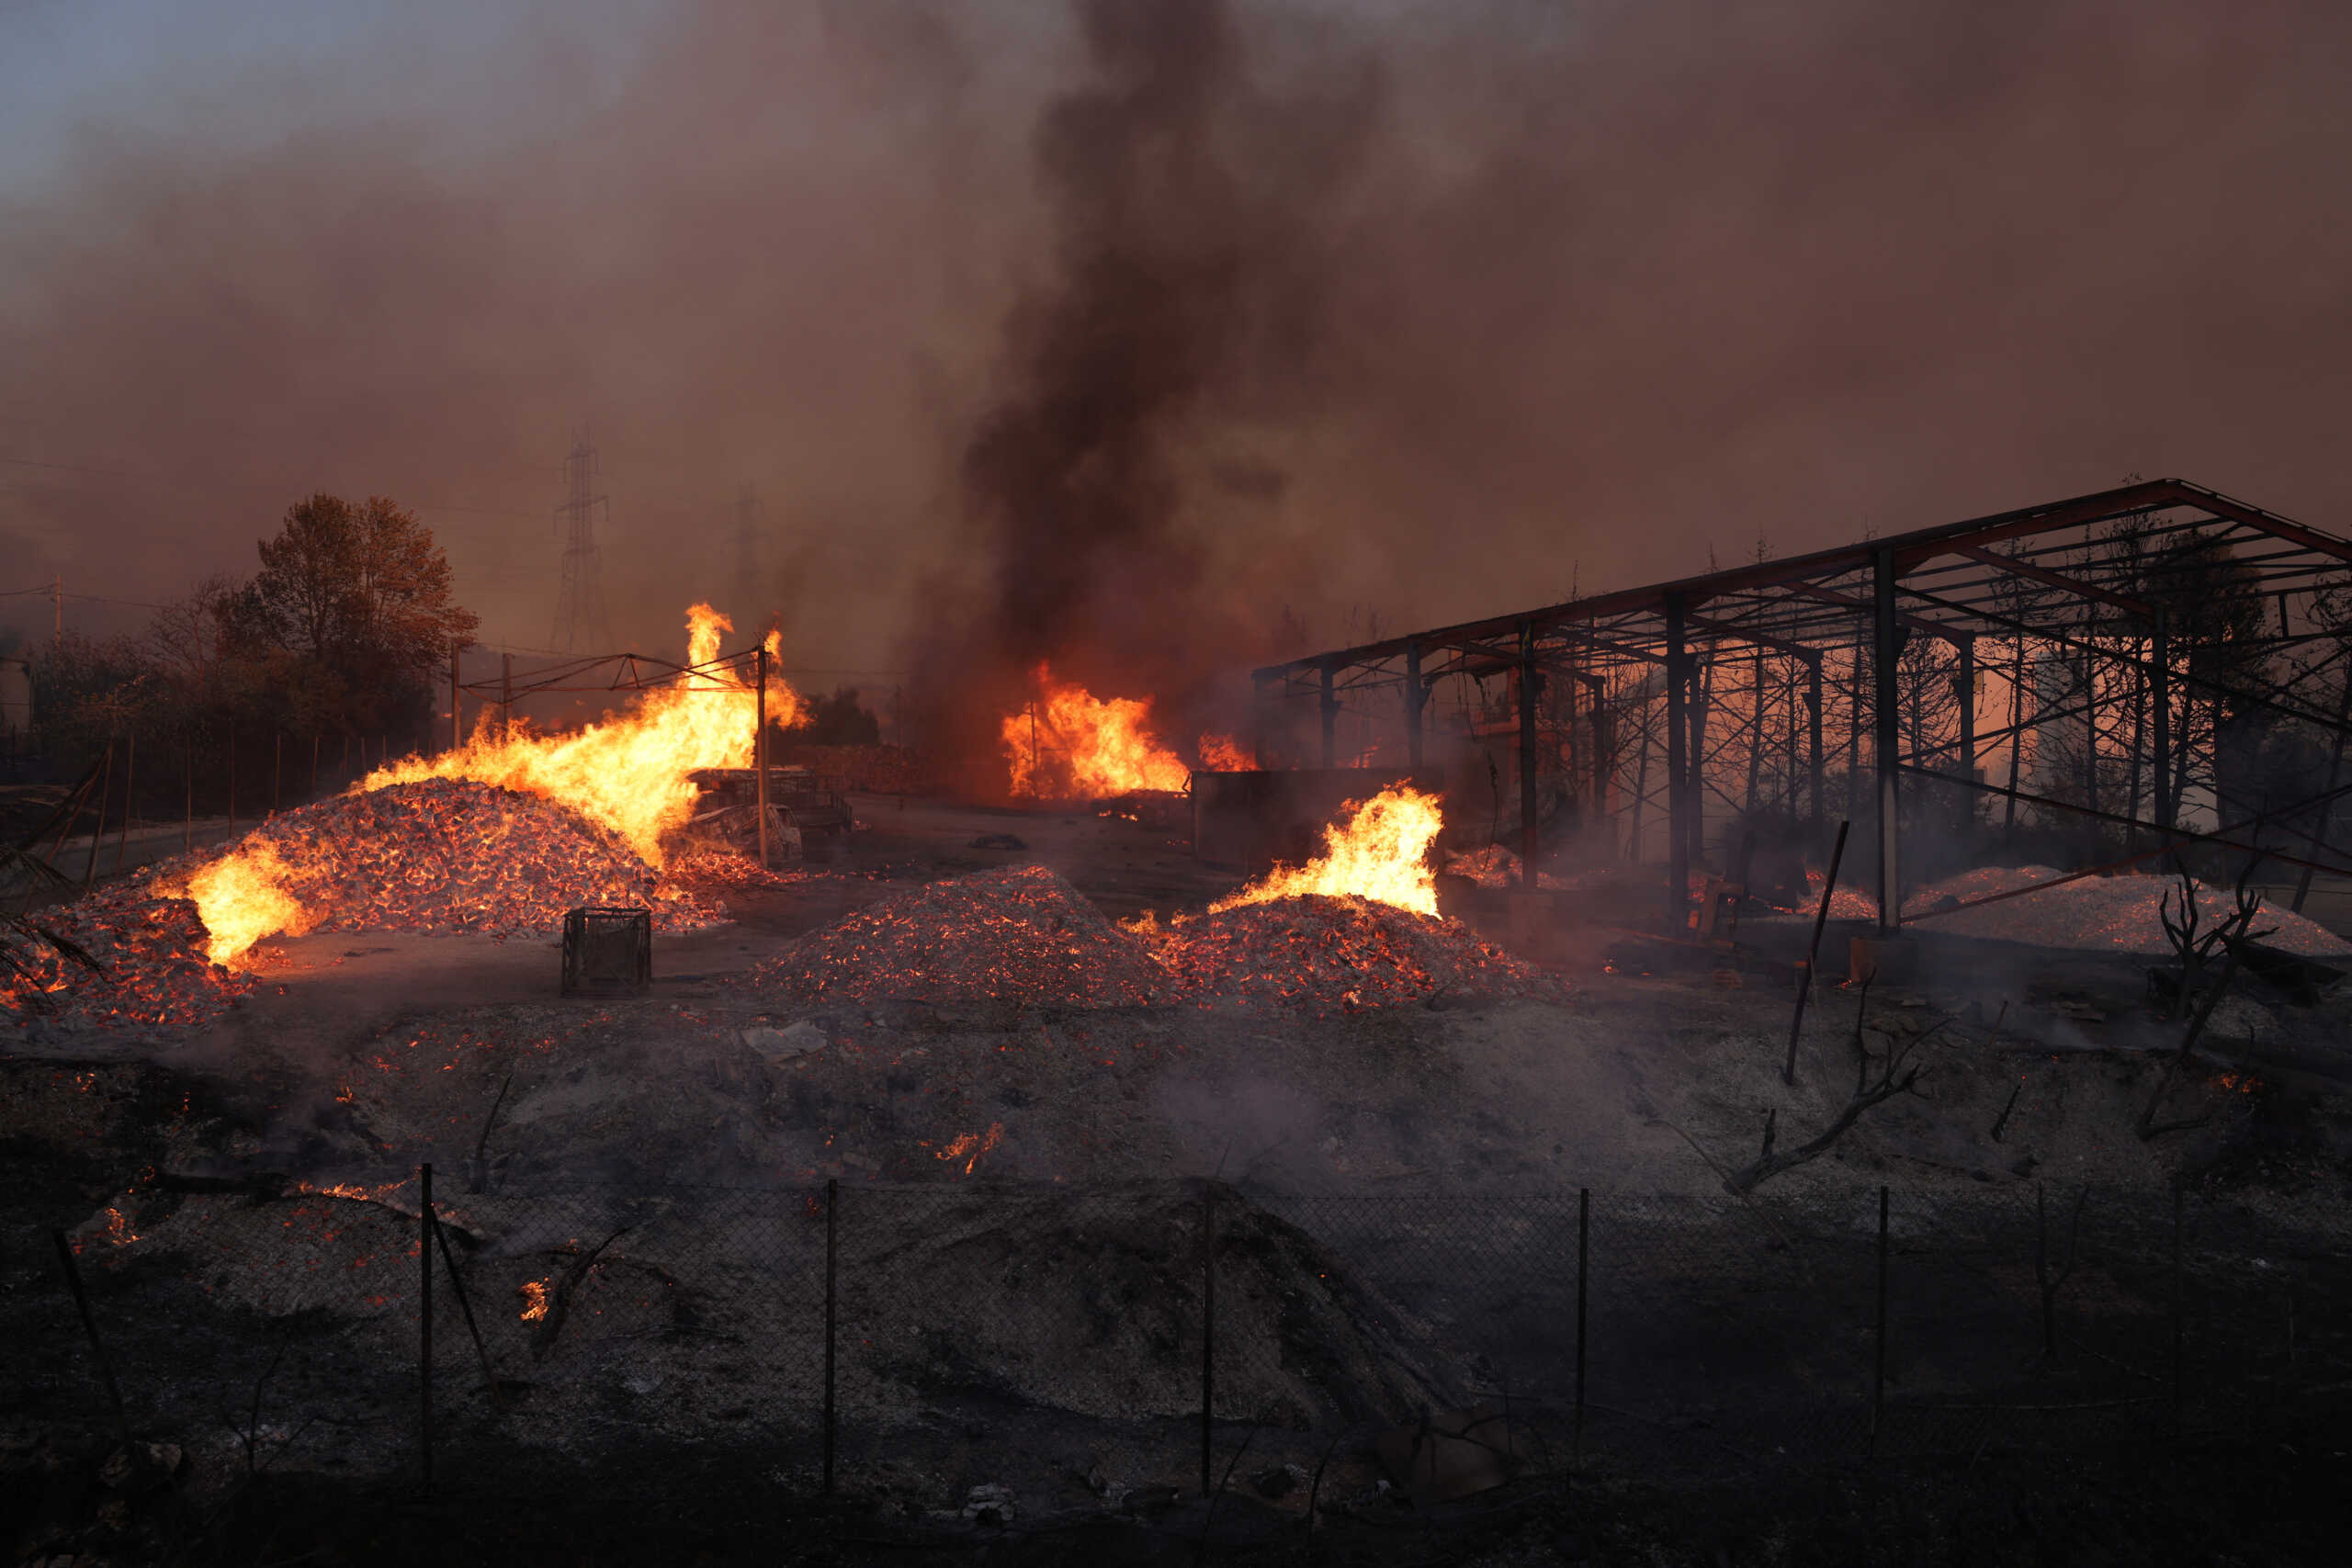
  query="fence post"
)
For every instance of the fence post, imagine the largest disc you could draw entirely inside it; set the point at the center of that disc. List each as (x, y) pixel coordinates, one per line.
(425, 1325)
(90, 1327)
(1878, 1369)
(832, 1234)
(1584, 1252)
(1208, 1330)
(2176, 1312)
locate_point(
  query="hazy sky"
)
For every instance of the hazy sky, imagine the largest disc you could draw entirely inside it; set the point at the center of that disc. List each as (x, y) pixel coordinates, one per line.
(1528, 291)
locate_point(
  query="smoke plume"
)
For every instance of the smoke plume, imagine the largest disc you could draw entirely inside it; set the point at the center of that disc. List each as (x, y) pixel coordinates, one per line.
(1108, 486)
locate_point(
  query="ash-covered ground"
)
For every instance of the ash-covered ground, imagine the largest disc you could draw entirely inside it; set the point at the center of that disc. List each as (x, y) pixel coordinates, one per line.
(634, 1188)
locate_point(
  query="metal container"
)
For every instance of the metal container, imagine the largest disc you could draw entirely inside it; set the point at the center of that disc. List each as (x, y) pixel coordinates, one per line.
(607, 953)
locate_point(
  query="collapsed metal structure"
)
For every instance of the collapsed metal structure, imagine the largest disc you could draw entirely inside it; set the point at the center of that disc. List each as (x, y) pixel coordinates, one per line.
(2138, 633)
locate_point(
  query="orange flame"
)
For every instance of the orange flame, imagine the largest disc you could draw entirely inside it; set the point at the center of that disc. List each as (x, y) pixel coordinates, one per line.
(626, 773)
(1071, 743)
(1381, 852)
(242, 897)
(534, 1300)
(1223, 754)
(973, 1144)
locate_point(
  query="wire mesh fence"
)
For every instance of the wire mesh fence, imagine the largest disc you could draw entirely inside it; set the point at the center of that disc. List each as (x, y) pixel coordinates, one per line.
(830, 1333)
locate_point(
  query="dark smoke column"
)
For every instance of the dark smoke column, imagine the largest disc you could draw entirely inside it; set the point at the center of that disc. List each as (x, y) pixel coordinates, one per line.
(1179, 249)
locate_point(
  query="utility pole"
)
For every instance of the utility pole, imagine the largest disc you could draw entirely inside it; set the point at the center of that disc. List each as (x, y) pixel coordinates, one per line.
(57, 603)
(457, 697)
(760, 750)
(580, 599)
(747, 557)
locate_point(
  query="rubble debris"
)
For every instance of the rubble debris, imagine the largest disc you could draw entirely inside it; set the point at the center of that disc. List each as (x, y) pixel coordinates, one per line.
(705, 872)
(1331, 954)
(437, 857)
(1021, 934)
(153, 966)
(780, 1044)
(989, 1503)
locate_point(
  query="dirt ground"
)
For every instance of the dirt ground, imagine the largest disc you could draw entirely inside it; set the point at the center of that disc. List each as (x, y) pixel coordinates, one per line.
(363, 1057)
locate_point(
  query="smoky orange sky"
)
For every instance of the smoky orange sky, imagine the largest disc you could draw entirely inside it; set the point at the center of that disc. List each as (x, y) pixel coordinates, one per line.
(1506, 295)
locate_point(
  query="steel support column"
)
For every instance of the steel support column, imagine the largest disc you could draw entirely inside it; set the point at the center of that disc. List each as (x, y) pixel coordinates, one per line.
(1968, 708)
(1416, 697)
(1330, 708)
(1885, 650)
(2160, 717)
(1813, 741)
(1530, 684)
(1258, 680)
(1677, 799)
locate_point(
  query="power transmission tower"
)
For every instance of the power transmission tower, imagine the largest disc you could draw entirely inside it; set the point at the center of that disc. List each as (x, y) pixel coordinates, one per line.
(580, 603)
(748, 613)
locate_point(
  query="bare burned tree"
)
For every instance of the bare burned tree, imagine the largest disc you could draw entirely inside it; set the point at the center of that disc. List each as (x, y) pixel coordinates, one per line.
(1895, 1074)
(2194, 950)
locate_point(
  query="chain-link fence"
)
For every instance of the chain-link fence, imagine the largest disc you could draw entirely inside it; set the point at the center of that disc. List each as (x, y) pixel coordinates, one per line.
(1172, 1335)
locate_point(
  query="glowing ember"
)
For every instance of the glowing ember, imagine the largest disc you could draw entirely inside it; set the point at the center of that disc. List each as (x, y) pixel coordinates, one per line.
(1021, 934)
(1338, 955)
(534, 1300)
(1070, 743)
(969, 1146)
(1381, 852)
(626, 773)
(243, 899)
(152, 969)
(437, 857)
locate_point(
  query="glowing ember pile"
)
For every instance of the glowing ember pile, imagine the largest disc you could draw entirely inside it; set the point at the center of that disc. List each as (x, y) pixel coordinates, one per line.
(1071, 744)
(627, 774)
(1330, 955)
(1021, 934)
(707, 871)
(437, 857)
(154, 969)
(1380, 852)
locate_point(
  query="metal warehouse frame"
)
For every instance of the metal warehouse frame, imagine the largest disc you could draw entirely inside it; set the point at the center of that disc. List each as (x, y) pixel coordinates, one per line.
(2113, 590)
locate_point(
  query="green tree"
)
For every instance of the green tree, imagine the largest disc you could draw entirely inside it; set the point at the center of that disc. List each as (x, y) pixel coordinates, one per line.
(349, 619)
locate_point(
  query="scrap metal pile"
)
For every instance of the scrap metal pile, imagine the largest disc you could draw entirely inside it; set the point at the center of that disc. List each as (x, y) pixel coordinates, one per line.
(1023, 933)
(449, 855)
(152, 968)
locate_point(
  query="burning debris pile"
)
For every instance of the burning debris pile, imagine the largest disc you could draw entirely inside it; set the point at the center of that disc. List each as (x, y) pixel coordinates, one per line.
(151, 966)
(1339, 954)
(630, 773)
(1021, 934)
(436, 857)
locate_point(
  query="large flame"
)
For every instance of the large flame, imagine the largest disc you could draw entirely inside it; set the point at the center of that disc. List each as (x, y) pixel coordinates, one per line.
(1070, 742)
(626, 773)
(1380, 852)
(242, 899)
(1224, 754)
